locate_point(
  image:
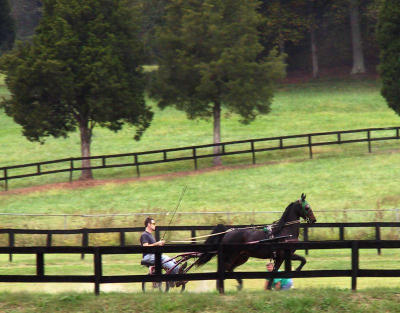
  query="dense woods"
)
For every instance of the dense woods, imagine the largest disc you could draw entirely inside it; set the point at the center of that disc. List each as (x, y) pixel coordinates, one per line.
(316, 35)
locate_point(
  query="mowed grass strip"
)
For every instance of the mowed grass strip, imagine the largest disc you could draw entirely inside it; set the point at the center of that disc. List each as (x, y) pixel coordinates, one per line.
(312, 300)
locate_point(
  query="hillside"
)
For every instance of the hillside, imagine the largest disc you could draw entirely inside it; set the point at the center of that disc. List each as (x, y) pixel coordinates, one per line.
(339, 177)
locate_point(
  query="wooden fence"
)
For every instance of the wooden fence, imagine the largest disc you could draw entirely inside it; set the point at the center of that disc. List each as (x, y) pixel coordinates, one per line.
(97, 277)
(195, 152)
(192, 232)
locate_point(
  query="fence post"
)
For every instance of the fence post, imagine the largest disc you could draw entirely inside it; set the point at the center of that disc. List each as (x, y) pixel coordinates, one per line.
(288, 263)
(97, 271)
(354, 264)
(71, 169)
(306, 235)
(378, 237)
(39, 264)
(253, 152)
(122, 238)
(137, 166)
(310, 146)
(195, 158)
(49, 240)
(369, 141)
(11, 244)
(221, 269)
(85, 241)
(157, 263)
(5, 179)
(193, 235)
(341, 233)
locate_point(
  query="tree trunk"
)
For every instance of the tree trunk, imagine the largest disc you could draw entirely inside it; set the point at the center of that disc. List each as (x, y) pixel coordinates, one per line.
(281, 46)
(314, 54)
(86, 138)
(358, 56)
(217, 132)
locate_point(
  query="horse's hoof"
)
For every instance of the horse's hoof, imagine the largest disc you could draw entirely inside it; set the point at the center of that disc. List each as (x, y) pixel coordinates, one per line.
(239, 287)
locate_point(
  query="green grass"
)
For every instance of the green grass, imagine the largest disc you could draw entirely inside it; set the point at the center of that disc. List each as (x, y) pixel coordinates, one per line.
(331, 183)
(296, 301)
(129, 265)
(338, 178)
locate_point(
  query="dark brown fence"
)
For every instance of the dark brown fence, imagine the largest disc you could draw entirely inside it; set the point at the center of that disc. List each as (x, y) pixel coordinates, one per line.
(195, 153)
(192, 232)
(97, 277)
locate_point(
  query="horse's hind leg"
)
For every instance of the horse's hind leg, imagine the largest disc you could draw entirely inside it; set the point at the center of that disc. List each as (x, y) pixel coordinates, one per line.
(240, 259)
(296, 257)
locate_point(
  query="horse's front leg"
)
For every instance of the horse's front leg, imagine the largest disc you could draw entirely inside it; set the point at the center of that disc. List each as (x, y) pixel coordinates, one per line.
(296, 257)
(277, 265)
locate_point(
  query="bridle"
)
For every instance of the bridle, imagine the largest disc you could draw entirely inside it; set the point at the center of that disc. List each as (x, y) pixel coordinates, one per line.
(305, 208)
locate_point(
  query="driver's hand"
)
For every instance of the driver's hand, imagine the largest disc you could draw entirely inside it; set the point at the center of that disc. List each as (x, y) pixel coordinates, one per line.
(161, 242)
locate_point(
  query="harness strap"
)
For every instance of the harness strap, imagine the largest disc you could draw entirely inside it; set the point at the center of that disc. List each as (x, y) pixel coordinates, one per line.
(204, 236)
(231, 229)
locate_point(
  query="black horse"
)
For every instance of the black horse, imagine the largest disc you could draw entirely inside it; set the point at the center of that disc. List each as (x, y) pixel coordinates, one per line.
(286, 229)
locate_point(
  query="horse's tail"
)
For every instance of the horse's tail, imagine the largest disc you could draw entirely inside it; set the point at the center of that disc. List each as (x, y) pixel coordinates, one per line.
(212, 240)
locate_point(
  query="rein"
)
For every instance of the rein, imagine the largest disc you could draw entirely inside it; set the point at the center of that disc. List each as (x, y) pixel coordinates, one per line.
(273, 225)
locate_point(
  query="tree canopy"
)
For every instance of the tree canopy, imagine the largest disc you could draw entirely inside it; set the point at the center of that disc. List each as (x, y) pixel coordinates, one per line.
(209, 57)
(389, 41)
(82, 69)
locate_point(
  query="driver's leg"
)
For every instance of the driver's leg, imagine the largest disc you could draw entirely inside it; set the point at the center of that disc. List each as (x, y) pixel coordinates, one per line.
(169, 264)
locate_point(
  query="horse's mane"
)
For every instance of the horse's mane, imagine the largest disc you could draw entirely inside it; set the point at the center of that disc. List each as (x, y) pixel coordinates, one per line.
(281, 222)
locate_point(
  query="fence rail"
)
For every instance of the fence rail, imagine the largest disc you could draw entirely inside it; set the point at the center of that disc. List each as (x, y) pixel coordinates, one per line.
(97, 278)
(192, 231)
(311, 140)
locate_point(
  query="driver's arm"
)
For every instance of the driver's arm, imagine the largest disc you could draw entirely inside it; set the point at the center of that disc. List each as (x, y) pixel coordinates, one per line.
(158, 243)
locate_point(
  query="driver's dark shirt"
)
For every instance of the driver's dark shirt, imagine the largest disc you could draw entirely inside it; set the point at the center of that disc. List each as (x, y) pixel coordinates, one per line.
(146, 237)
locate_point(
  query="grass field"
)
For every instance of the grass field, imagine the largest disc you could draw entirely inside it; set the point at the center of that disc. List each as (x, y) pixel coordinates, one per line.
(338, 178)
(312, 300)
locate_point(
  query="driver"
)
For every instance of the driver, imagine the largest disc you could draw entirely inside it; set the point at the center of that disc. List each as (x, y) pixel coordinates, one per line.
(147, 240)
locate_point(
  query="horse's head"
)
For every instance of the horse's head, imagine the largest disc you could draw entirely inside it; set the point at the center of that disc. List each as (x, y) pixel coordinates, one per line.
(305, 210)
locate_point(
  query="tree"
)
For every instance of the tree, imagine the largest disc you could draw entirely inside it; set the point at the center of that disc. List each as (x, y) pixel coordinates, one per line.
(209, 53)
(291, 20)
(285, 22)
(82, 69)
(388, 29)
(358, 55)
(315, 10)
(7, 30)
(152, 12)
(26, 14)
